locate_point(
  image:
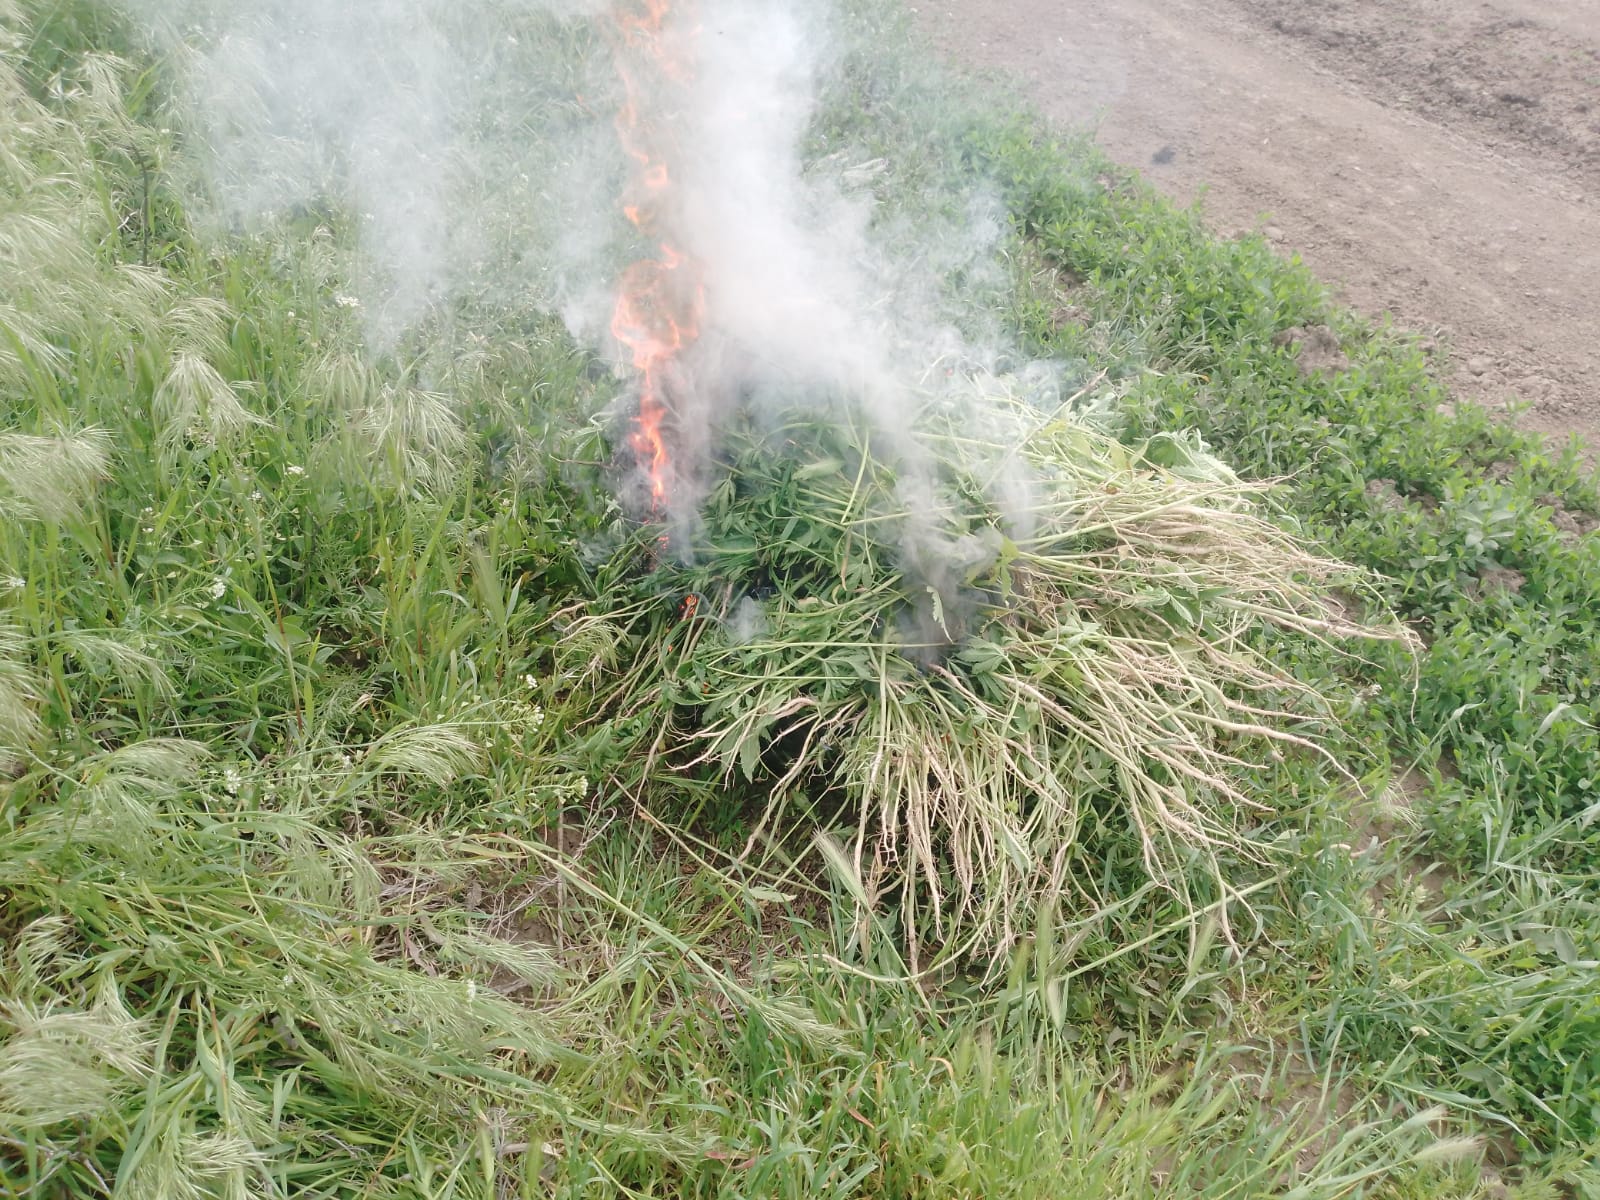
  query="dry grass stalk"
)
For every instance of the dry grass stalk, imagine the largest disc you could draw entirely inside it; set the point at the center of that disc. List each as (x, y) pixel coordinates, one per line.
(970, 672)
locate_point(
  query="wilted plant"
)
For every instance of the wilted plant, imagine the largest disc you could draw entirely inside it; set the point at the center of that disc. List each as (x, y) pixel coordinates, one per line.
(974, 646)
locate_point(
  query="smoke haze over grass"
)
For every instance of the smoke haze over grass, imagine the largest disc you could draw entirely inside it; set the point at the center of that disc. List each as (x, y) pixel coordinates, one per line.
(473, 146)
(474, 149)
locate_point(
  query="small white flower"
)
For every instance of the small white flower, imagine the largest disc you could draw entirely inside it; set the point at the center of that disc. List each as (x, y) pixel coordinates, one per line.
(294, 470)
(13, 583)
(256, 497)
(219, 587)
(232, 780)
(347, 302)
(530, 682)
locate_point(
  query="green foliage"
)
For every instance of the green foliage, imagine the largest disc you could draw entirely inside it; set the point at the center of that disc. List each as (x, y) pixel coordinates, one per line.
(1434, 498)
(934, 1092)
(311, 881)
(220, 972)
(1457, 515)
(255, 638)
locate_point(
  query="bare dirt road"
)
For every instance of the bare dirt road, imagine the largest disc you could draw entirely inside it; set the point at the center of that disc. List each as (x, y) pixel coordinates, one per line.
(1437, 160)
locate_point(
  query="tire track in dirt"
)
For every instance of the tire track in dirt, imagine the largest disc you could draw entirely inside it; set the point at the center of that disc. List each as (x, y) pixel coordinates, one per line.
(1435, 160)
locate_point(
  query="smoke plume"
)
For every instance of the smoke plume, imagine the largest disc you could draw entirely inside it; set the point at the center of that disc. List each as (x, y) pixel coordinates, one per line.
(475, 144)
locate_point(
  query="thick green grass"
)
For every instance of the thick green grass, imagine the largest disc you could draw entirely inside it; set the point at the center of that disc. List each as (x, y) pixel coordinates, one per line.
(1491, 735)
(311, 883)
(1436, 497)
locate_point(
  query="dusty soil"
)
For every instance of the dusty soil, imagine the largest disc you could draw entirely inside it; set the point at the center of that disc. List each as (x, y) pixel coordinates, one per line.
(1435, 160)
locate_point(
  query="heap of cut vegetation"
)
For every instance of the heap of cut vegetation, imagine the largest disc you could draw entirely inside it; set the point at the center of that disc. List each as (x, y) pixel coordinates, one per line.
(969, 640)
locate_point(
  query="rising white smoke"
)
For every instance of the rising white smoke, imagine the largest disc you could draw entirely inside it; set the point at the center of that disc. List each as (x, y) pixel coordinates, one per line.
(472, 140)
(474, 144)
(452, 133)
(785, 257)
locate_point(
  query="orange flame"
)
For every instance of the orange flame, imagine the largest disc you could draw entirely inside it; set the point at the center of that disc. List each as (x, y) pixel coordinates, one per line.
(660, 299)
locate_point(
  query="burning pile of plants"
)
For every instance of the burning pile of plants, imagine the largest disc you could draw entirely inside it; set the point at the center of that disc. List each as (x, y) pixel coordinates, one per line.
(957, 616)
(960, 640)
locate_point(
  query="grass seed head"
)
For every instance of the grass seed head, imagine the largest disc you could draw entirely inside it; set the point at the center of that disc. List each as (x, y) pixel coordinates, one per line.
(58, 1065)
(51, 478)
